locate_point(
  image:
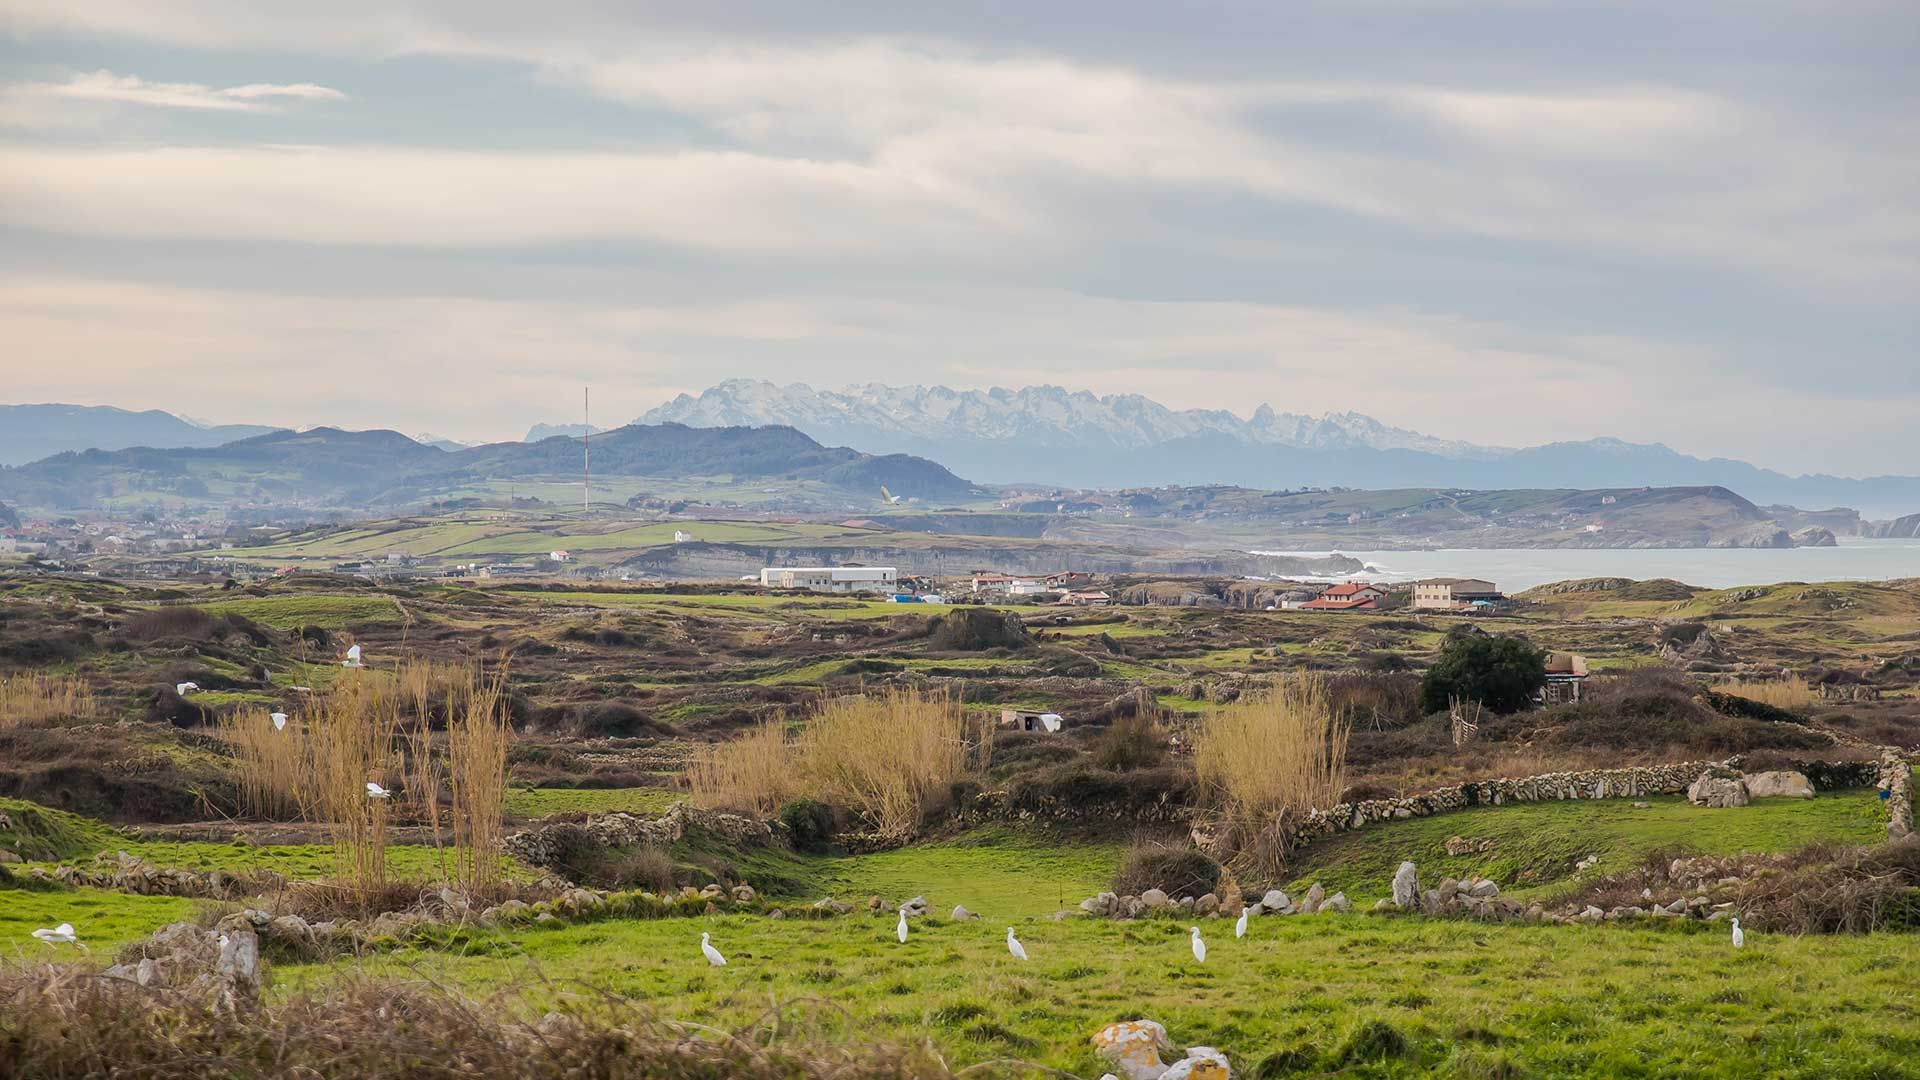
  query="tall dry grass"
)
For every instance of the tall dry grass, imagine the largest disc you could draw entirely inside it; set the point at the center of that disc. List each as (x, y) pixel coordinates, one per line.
(1788, 693)
(755, 772)
(276, 766)
(354, 731)
(892, 759)
(1265, 760)
(36, 699)
(478, 735)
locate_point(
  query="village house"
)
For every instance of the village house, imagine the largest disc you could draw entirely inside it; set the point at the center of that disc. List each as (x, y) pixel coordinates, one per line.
(986, 581)
(1023, 720)
(1068, 579)
(1349, 596)
(1456, 594)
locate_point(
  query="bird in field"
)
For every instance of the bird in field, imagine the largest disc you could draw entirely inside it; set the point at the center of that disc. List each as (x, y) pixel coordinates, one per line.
(279, 721)
(713, 954)
(1199, 947)
(901, 930)
(375, 791)
(1240, 924)
(59, 935)
(353, 657)
(1739, 936)
(1018, 950)
(185, 688)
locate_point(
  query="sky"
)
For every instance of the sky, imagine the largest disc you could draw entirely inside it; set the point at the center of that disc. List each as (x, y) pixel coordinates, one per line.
(1511, 222)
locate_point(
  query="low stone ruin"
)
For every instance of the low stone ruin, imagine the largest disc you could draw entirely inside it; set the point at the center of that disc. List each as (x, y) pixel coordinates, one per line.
(1108, 905)
(1719, 787)
(221, 965)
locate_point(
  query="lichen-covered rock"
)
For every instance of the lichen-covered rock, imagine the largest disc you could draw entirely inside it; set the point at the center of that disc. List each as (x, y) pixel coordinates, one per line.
(1134, 1048)
(1779, 783)
(1201, 1063)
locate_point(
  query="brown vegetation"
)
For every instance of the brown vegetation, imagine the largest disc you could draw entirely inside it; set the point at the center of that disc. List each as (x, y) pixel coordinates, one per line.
(37, 699)
(1268, 758)
(67, 1022)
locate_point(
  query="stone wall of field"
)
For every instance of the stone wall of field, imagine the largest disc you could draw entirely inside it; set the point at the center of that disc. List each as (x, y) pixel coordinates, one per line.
(1631, 782)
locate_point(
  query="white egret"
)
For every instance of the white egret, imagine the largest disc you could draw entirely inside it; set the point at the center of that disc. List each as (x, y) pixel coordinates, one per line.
(1739, 936)
(353, 657)
(1240, 924)
(713, 954)
(375, 791)
(302, 689)
(279, 721)
(185, 688)
(1018, 950)
(59, 935)
(1199, 947)
(901, 930)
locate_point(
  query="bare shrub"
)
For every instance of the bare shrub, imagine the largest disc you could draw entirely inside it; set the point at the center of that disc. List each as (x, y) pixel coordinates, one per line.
(1269, 758)
(1131, 742)
(478, 734)
(354, 730)
(1175, 869)
(37, 699)
(174, 623)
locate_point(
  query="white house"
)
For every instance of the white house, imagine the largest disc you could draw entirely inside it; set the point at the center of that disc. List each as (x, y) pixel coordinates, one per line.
(835, 579)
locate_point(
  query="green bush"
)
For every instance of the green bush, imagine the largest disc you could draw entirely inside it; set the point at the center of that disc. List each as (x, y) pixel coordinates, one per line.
(809, 822)
(1501, 672)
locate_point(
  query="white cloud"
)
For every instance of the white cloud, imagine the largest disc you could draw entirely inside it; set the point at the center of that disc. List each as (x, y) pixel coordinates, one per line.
(105, 86)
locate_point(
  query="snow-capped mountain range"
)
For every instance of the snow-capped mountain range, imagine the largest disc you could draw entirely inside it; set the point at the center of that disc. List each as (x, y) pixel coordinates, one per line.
(1033, 415)
(1046, 434)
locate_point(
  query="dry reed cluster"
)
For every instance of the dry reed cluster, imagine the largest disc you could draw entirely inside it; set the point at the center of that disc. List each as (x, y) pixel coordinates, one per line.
(381, 728)
(891, 759)
(36, 699)
(1265, 760)
(1788, 693)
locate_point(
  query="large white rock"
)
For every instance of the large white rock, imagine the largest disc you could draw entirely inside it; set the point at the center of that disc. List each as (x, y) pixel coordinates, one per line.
(1718, 790)
(1201, 1063)
(1782, 782)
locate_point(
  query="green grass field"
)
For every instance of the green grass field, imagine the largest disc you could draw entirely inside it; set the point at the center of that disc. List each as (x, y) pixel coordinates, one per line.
(539, 802)
(1307, 995)
(1537, 844)
(308, 609)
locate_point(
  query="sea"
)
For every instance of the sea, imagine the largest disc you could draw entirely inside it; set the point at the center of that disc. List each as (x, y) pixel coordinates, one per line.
(1517, 569)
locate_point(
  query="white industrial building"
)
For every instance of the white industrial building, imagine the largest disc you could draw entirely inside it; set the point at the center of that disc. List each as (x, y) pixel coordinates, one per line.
(838, 579)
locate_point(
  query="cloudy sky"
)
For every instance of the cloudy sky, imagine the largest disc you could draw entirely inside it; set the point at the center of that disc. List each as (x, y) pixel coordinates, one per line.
(1696, 223)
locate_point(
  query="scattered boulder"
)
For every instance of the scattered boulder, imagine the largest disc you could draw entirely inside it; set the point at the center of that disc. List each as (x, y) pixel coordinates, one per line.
(1206, 904)
(1201, 1063)
(915, 907)
(222, 964)
(1155, 900)
(961, 914)
(1718, 787)
(1783, 782)
(1316, 895)
(1460, 845)
(1337, 904)
(1406, 887)
(1276, 901)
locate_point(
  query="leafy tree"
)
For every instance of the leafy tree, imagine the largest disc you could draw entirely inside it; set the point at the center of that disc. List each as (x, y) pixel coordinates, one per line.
(9, 518)
(1501, 672)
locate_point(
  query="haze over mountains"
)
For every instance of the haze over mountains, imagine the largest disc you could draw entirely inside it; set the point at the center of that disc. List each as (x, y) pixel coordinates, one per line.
(1051, 435)
(31, 432)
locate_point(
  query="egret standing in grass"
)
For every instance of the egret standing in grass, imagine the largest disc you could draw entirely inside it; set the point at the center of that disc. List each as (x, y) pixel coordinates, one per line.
(1199, 947)
(185, 688)
(375, 791)
(59, 935)
(1739, 936)
(1240, 924)
(1018, 950)
(353, 658)
(279, 721)
(712, 954)
(901, 930)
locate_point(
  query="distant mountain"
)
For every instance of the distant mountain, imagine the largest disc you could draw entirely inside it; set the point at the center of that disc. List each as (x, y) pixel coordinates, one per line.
(328, 467)
(1075, 439)
(428, 438)
(548, 431)
(31, 432)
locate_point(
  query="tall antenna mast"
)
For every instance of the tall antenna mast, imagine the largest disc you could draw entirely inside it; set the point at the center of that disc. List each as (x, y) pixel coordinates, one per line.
(586, 450)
